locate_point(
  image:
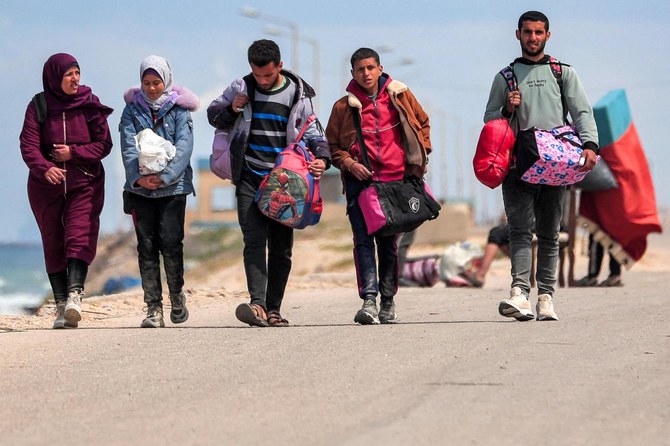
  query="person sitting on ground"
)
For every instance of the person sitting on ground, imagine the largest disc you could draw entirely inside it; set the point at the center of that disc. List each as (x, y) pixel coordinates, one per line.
(498, 240)
(405, 240)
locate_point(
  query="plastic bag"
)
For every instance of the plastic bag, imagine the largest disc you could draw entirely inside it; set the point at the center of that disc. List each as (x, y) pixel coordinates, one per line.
(459, 261)
(154, 152)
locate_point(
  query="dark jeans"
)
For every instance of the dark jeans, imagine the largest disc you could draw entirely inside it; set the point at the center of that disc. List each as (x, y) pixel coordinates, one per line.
(268, 247)
(369, 286)
(159, 226)
(522, 202)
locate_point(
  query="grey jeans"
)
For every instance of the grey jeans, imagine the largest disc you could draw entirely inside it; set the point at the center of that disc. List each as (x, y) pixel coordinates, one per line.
(527, 204)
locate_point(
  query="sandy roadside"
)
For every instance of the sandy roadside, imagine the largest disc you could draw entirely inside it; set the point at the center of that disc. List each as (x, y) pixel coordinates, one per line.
(318, 264)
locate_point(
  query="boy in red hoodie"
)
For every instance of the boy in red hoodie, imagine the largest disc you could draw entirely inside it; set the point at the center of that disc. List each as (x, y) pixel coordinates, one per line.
(396, 132)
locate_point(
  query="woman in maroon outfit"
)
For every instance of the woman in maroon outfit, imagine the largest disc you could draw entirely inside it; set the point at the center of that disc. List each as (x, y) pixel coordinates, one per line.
(63, 140)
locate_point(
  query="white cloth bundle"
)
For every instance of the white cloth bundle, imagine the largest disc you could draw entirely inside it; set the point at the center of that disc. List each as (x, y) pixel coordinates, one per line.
(154, 152)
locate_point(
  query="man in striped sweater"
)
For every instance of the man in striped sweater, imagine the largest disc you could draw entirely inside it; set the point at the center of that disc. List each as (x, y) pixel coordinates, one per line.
(264, 112)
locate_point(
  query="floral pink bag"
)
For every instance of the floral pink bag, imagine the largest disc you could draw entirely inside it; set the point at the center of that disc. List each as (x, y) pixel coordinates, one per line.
(549, 156)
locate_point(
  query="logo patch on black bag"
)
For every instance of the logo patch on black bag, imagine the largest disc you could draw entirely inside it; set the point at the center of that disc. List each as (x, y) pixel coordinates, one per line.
(414, 204)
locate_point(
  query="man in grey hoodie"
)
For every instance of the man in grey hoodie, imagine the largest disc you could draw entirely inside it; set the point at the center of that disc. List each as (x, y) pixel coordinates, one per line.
(537, 102)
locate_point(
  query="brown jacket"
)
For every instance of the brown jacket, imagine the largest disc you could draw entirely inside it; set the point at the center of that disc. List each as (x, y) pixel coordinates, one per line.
(341, 133)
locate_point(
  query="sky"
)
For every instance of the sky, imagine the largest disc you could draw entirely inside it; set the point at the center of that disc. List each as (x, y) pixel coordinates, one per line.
(447, 52)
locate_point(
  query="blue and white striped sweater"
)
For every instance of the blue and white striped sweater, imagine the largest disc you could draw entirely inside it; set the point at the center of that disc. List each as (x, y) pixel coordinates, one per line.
(267, 137)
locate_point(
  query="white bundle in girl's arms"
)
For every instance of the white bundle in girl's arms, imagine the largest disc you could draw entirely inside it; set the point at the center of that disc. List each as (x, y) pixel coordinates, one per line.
(154, 152)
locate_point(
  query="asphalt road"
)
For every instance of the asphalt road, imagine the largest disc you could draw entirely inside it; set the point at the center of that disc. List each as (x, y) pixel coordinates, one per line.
(452, 371)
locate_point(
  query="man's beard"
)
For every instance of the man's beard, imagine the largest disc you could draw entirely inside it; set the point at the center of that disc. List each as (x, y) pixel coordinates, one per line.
(537, 52)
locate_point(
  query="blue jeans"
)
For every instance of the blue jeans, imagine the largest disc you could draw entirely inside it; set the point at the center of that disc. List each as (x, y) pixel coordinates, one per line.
(267, 271)
(369, 285)
(527, 205)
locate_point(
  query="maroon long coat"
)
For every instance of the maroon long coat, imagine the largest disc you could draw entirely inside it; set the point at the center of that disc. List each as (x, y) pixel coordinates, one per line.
(68, 214)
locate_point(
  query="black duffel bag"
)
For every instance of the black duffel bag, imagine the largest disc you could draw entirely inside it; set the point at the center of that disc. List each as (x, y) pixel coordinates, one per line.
(397, 206)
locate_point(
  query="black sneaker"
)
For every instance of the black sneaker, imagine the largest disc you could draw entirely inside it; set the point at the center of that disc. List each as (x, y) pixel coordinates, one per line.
(387, 311)
(178, 312)
(587, 281)
(154, 317)
(367, 315)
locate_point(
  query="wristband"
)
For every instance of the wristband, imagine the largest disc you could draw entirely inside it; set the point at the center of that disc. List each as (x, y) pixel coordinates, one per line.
(590, 145)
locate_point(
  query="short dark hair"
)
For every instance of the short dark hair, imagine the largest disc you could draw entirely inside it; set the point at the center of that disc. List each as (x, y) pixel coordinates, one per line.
(262, 52)
(534, 16)
(364, 53)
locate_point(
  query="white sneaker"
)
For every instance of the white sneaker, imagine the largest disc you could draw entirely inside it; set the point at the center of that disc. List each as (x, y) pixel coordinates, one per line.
(60, 315)
(73, 307)
(545, 308)
(517, 306)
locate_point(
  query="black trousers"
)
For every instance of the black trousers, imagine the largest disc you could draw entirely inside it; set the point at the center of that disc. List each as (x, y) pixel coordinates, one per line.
(371, 284)
(596, 255)
(268, 247)
(159, 226)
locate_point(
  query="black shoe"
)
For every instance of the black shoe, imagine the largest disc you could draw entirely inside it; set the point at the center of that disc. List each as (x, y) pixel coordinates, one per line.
(387, 311)
(587, 281)
(154, 317)
(367, 315)
(178, 312)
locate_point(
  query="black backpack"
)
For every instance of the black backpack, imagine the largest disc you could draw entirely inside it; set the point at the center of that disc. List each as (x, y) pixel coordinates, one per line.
(40, 102)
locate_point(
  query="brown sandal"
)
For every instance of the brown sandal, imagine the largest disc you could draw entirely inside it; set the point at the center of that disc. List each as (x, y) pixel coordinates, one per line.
(275, 319)
(252, 314)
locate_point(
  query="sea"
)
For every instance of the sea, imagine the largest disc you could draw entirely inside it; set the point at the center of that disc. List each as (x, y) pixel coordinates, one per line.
(23, 278)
